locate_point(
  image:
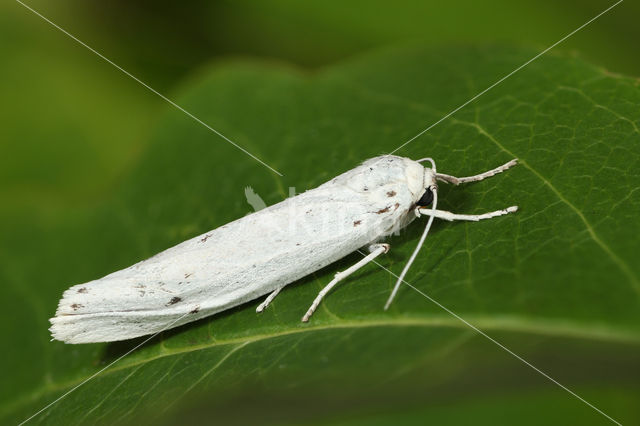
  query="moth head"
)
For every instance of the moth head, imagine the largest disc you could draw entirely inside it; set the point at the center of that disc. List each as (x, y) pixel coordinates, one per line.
(430, 186)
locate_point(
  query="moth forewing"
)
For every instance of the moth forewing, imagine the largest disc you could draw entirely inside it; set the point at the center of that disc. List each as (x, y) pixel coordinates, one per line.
(245, 259)
(261, 253)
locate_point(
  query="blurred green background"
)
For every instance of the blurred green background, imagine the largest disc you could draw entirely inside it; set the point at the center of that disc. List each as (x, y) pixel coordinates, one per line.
(72, 125)
(92, 120)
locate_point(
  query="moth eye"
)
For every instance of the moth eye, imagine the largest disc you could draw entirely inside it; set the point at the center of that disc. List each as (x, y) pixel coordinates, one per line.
(426, 198)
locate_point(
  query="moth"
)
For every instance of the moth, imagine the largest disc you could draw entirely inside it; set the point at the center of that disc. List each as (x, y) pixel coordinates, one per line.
(259, 254)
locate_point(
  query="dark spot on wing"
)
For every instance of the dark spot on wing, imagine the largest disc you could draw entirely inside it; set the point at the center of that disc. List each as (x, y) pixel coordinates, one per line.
(391, 193)
(187, 275)
(396, 205)
(140, 288)
(357, 222)
(195, 310)
(76, 306)
(82, 290)
(205, 238)
(386, 209)
(174, 300)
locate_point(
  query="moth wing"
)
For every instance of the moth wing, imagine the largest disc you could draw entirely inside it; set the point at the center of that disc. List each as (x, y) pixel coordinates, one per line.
(237, 262)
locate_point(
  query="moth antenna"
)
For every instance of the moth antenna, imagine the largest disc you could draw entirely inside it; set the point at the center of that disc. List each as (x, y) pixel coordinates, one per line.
(429, 159)
(415, 252)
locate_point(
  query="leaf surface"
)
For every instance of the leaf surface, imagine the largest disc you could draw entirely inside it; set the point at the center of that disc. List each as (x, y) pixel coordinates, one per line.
(557, 283)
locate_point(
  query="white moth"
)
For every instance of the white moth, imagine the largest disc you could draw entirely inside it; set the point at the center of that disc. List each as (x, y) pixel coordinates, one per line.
(261, 253)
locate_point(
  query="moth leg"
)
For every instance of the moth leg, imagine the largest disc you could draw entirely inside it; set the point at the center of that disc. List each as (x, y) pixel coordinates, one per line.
(475, 178)
(442, 214)
(261, 307)
(374, 251)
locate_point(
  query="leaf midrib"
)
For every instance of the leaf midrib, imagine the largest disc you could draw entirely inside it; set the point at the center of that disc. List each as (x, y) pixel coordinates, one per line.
(550, 327)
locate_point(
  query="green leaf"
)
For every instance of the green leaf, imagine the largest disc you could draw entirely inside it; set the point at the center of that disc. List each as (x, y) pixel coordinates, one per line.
(557, 283)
